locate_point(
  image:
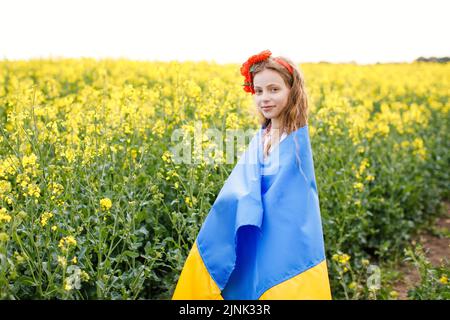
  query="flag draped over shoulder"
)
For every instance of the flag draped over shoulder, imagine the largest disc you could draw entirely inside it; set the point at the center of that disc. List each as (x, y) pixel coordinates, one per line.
(262, 238)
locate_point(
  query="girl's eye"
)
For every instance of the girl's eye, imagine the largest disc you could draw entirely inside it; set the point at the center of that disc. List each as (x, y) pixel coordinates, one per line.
(273, 90)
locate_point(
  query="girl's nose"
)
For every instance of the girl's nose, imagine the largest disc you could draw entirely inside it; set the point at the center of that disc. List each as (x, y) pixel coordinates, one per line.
(265, 96)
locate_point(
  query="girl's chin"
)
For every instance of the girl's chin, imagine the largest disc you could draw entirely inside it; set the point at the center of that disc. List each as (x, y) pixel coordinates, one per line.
(269, 114)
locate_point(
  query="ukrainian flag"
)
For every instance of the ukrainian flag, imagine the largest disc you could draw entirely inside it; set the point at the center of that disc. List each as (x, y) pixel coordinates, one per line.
(262, 238)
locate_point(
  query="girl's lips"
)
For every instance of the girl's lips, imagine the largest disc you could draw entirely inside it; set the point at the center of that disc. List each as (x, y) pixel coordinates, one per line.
(267, 107)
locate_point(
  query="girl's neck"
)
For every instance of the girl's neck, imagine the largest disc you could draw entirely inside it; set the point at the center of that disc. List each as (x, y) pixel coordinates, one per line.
(275, 124)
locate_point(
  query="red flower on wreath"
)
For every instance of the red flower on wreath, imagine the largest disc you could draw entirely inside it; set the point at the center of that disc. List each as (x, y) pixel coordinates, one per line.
(247, 68)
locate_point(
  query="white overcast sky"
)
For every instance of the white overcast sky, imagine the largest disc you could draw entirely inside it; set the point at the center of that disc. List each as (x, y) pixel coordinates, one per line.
(226, 30)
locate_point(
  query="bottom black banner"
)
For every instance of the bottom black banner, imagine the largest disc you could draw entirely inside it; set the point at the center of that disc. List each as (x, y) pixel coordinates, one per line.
(205, 309)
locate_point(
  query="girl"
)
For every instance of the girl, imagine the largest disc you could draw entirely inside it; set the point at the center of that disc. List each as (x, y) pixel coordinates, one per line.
(281, 110)
(262, 238)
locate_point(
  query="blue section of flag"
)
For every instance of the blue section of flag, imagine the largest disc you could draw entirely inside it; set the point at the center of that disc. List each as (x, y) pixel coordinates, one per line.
(265, 226)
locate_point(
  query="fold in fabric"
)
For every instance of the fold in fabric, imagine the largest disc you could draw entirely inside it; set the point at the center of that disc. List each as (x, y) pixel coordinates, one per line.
(263, 235)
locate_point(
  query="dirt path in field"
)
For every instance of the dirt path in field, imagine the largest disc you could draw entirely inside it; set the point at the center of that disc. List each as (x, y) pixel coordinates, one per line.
(435, 247)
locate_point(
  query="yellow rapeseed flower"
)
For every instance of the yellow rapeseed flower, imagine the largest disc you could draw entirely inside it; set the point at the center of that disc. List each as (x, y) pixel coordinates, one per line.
(19, 258)
(364, 164)
(4, 237)
(358, 186)
(166, 157)
(105, 203)
(84, 276)
(365, 262)
(67, 285)
(56, 188)
(62, 261)
(344, 258)
(33, 190)
(66, 242)
(5, 187)
(8, 200)
(45, 217)
(29, 160)
(4, 216)
(188, 201)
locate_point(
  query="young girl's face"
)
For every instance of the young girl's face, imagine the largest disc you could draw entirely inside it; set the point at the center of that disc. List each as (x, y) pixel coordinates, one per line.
(271, 93)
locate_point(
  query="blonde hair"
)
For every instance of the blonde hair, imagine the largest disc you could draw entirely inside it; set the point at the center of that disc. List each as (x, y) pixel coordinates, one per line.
(295, 114)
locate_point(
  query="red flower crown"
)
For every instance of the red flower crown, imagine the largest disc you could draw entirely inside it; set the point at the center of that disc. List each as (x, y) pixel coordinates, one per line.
(248, 67)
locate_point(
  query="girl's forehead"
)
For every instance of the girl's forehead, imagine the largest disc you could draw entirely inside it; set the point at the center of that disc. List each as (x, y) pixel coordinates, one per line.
(266, 78)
